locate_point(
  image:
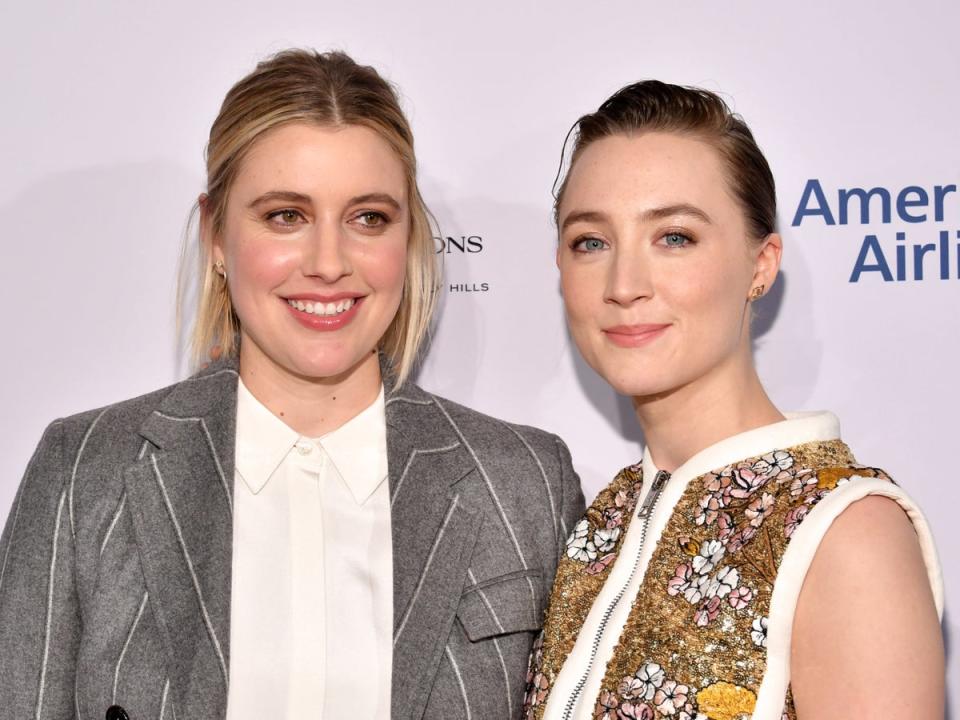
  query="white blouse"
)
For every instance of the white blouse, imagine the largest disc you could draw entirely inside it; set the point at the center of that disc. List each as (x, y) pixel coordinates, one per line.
(311, 616)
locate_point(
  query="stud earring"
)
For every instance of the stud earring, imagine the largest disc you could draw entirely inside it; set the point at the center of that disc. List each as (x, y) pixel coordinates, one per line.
(757, 293)
(221, 271)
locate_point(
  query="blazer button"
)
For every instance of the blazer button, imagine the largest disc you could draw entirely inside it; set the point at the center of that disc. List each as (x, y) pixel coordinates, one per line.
(115, 712)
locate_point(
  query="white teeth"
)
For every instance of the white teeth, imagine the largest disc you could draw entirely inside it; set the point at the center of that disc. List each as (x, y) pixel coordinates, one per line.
(323, 309)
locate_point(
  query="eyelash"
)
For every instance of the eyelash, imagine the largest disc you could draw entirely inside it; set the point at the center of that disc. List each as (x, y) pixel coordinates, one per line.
(381, 219)
(689, 240)
(577, 245)
(276, 217)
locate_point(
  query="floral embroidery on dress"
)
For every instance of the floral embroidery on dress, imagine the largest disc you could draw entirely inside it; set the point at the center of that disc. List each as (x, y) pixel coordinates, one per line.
(758, 632)
(721, 701)
(537, 684)
(646, 691)
(739, 500)
(644, 683)
(703, 588)
(595, 539)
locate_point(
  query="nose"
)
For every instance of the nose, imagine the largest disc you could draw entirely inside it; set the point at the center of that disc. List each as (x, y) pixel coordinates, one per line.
(326, 254)
(628, 277)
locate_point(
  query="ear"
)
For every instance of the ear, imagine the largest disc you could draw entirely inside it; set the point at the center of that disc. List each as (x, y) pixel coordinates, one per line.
(767, 264)
(211, 241)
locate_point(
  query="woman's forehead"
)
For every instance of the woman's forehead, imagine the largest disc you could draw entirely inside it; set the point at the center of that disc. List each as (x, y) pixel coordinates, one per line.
(651, 169)
(312, 159)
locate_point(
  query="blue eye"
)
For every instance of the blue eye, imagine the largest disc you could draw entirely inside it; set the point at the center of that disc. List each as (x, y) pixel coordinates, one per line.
(589, 245)
(676, 240)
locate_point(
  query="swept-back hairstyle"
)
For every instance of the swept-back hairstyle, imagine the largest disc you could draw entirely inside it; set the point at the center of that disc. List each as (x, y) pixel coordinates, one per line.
(328, 90)
(651, 105)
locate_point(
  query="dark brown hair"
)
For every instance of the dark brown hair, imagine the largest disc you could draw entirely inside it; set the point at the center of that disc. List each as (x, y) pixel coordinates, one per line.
(652, 105)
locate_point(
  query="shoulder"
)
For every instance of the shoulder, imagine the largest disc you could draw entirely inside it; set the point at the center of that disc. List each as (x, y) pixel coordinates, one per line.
(126, 416)
(871, 535)
(823, 515)
(123, 416)
(855, 502)
(870, 571)
(110, 431)
(93, 443)
(482, 432)
(869, 531)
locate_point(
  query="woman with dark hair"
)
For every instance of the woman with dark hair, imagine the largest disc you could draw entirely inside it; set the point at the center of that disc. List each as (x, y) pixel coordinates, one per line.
(748, 566)
(297, 530)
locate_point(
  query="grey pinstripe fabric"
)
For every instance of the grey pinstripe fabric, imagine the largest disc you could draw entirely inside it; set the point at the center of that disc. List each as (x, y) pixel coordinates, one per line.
(115, 561)
(459, 676)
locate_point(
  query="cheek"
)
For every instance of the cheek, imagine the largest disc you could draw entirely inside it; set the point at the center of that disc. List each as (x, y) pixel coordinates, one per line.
(384, 265)
(261, 264)
(582, 289)
(711, 302)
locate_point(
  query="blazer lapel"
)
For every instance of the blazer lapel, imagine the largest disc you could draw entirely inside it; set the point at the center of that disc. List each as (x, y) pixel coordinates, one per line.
(180, 492)
(434, 530)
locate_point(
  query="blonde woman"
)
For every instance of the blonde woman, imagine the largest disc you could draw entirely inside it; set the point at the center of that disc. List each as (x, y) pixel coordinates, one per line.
(748, 566)
(297, 530)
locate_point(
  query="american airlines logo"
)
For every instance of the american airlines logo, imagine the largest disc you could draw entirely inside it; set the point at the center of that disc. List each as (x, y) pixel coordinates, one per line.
(908, 236)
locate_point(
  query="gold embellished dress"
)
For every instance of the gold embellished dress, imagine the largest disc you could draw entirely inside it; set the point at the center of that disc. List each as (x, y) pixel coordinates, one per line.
(676, 595)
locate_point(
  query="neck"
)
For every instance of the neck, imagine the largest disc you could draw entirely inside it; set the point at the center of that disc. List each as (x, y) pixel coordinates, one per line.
(312, 406)
(682, 422)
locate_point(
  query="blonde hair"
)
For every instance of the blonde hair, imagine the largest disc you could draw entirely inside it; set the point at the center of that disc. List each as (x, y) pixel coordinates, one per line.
(330, 90)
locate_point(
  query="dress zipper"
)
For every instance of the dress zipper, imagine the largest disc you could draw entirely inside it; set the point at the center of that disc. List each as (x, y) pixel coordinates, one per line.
(643, 517)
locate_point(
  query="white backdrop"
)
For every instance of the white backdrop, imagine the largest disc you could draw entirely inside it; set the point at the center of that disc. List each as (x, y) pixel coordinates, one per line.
(106, 108)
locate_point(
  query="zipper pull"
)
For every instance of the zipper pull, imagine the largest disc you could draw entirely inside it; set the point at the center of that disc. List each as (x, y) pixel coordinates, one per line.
(659, 480)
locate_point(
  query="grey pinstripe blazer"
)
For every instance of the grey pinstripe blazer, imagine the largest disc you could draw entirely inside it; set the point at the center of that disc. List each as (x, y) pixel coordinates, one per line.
(116, 558)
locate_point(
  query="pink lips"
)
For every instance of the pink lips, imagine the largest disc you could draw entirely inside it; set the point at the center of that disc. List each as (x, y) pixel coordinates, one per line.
(631, 336)
(324, 323)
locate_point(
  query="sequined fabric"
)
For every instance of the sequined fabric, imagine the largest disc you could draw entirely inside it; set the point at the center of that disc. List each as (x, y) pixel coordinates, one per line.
(580, 575)
(694, 644)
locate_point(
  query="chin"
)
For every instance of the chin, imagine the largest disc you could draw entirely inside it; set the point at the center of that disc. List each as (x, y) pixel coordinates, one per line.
(331, 365)
(636, 382)
(634, 389)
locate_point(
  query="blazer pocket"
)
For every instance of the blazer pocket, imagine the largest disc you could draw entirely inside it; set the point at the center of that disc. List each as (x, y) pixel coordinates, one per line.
(501, 605)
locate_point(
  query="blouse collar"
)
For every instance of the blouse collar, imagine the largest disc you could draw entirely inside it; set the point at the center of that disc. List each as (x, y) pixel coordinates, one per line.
(357, 449)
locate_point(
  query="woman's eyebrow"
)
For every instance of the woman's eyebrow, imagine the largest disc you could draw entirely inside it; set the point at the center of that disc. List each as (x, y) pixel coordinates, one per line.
(582, 216)
(285, 195)
(665, 211)
(657, 213)
(295, 197)
(376, 197)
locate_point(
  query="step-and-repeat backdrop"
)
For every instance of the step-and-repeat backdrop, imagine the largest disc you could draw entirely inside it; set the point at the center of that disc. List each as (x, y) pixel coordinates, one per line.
(106, 107)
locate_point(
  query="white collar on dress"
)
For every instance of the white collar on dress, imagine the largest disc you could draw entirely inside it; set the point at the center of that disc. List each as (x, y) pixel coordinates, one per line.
(358, 448)
(798, 428)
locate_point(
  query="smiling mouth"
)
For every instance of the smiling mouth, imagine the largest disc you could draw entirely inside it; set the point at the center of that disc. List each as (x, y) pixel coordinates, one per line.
(330, 309)
(634, 336)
